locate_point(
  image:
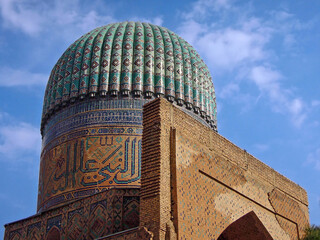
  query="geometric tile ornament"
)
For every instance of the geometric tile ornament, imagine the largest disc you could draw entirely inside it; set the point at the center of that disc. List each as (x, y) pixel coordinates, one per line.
(92, 112)
(113, 157)
(91, 217)
(95, 150)
(195, 184)
(131, 58)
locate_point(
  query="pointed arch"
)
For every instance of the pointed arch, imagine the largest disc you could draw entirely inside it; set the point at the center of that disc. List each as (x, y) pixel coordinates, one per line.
(248, 227)
(53, 234)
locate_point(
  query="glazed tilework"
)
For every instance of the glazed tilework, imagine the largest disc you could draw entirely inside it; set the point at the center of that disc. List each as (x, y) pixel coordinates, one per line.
(110, 130)
(195, 184)
(100, 158)
(93, 105)
(110, 117)
(204, 183)
(131, 58)
(89, 218)
(89, 147)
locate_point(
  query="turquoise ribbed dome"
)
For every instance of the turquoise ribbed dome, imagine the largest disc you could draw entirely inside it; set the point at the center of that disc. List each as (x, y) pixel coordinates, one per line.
(131, 59)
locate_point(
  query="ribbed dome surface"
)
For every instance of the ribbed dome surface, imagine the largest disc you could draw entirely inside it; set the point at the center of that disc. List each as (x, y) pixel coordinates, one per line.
(131, 59)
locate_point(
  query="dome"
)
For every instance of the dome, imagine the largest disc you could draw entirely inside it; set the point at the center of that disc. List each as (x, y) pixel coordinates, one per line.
(93, 107)
(131, 59)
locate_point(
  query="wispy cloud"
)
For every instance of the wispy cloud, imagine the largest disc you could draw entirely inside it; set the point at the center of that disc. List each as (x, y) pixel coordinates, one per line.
(19, 141)
(229, 90)
(286, 25)
(315, 103)
(15, 77)
(229, 48)
(225, 48)
(314, 159)
(20, 15)
(261, 147)
(158, 20)
(242, 49)
(65, 18)
(233, 94)
(268, 82)
(202, 8)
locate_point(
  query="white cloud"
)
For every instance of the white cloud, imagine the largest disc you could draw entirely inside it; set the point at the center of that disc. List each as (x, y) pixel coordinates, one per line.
(228, 48)
(18, 140)
(268, 82)
(60, 17)
(286, 25)
(89, 21)
(3, 115)
(289, 41)
(314, 158)
(242, 49)
(201, 8)
(229, 90)
(15, 77)
(233, 94)
(261, 147)
(315, 103)
(191, 30)
(20, 14)
(158, 20)
(287, 21)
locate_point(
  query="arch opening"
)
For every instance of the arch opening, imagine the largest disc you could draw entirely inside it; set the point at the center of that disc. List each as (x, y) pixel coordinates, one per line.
(53, 234)
(248, 227)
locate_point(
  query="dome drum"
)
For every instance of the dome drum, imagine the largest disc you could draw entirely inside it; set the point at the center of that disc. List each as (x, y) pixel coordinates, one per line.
(132, 95)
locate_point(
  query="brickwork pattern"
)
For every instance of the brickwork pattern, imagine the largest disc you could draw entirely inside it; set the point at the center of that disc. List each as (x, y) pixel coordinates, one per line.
(138, 233)
(89, 218)
(207, 200)
(248, 227)
(195, 184)
(204, 182)
(288, 208)
(154, 191)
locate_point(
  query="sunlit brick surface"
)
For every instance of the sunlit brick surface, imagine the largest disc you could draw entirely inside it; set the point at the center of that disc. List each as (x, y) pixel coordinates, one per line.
(203, 183)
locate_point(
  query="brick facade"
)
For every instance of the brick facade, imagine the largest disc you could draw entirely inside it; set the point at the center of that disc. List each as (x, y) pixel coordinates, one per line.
(196, 183)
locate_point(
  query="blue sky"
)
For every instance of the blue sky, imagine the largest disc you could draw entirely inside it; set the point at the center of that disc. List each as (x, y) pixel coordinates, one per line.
(263, 56)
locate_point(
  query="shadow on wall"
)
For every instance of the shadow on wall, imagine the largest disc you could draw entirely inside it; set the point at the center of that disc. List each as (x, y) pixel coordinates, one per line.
(54, 234)
(248, 227)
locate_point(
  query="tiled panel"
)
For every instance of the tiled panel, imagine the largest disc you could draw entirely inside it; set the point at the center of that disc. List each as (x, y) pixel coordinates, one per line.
(89, 218)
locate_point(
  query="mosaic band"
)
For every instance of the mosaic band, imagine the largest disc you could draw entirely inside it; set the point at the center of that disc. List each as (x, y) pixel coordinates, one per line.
(97, 149)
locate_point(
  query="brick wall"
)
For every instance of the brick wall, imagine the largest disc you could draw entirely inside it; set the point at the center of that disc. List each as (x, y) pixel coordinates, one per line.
(203, 183)
(138, 233)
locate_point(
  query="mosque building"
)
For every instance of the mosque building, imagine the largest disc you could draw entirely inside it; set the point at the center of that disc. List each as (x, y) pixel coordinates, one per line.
(130, 150)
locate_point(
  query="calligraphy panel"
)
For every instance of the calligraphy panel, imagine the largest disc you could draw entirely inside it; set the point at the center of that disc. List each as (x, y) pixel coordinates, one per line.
(92, 161)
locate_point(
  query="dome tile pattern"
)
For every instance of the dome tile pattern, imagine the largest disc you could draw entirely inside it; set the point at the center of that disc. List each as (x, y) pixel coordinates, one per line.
(131, 59)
